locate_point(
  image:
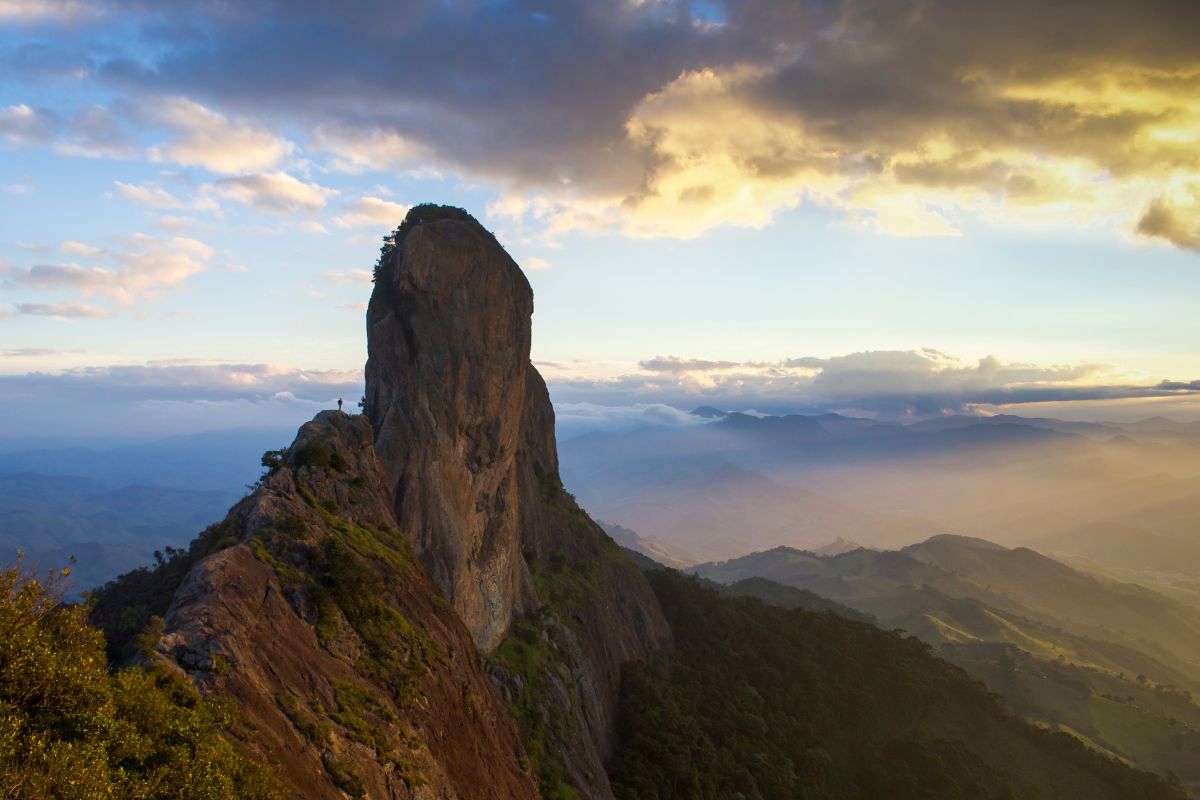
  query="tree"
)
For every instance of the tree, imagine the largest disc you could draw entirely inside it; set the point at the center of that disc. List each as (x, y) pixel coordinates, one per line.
(71, 729)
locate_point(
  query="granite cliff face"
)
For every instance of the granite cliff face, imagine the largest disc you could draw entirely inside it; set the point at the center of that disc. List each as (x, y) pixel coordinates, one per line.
(448, 351)
(465, 431)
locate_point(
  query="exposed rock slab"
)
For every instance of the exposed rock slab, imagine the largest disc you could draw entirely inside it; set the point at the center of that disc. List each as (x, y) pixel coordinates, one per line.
(261, 624)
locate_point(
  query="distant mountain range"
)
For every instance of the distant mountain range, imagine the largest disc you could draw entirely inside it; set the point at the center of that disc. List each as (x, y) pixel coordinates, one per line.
(112, 506)
(734, 483)
(108, 529)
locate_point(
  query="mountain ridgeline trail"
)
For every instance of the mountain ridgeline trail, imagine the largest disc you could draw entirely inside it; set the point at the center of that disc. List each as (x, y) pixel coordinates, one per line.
(410, 605)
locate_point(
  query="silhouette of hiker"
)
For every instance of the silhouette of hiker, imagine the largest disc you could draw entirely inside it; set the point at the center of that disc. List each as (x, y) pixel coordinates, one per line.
(339, 404)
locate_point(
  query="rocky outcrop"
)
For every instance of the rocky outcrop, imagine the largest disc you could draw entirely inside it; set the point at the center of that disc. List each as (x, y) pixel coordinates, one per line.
(349, 672)
(342, 606)
(464, 429)
(448, 339)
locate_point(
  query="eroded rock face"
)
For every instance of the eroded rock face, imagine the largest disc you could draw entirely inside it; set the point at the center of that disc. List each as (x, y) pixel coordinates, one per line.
(465, 430)
(349, 672)
(448, 334)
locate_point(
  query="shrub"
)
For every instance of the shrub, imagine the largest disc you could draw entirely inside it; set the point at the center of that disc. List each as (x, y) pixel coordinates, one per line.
(69, 728)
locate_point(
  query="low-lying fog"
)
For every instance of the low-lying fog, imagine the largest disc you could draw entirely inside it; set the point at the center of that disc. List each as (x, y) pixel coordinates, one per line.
(1122, 496)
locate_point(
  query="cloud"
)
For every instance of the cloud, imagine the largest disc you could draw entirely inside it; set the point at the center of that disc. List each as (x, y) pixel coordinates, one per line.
(175, 396)
(135, 267)
(80, 249)
(29, 352)
(346, 277)
(97, 132)
(372, 212)
(173, 223)
(650, 118)
(675, 364)
(42, 10)
(355, 151)
(149, 194)
(22, 126)
(574, 418)
(206, 138)
(64, 310)
(883, 384)
(1177, 226)
(276, 192)
(535, 263)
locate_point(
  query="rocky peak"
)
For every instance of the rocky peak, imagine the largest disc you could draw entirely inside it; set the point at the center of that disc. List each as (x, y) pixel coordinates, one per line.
(448, 335)
(464, 429)
(330, 604)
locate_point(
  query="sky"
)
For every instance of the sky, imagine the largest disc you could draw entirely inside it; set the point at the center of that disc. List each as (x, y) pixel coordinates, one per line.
(882, 207)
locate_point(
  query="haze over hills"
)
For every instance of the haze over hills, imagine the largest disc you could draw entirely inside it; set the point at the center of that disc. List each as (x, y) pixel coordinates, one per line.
(1116, 497)
(113, 504)
(739, 483)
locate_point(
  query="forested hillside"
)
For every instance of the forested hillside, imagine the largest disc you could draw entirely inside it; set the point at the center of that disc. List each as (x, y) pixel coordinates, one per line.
(761, 701)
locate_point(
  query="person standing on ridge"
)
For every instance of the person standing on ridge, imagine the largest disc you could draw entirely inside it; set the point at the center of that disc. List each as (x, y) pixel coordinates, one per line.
(339, 404)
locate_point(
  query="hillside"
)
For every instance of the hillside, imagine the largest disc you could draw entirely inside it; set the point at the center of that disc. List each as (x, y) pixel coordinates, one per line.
(308, 610)
(758, 701)
(1082, 663)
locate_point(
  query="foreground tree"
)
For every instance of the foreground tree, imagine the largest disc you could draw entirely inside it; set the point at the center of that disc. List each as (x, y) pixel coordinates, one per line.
(70, 728)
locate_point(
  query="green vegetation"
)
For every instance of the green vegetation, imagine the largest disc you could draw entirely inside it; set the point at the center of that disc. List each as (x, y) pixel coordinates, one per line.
(344, 775)
(1060, 672)
(418, 214)
(273, 461)
(357, 708)
(123, 607)
(531, 655)
(570, 580)
(1154, 726)
(313, 729)
(758, 701)
(349, 571)
(776, 594)
(318, 454)
(71, 729)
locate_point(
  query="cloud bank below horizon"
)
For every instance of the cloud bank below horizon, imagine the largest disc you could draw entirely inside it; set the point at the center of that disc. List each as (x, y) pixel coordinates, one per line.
(183, 396)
